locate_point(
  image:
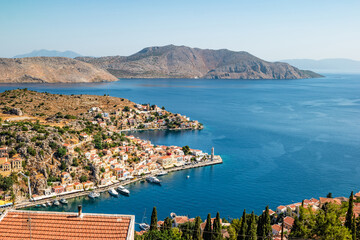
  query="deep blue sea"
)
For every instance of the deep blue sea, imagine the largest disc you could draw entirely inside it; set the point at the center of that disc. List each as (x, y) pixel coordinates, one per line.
(281, 141)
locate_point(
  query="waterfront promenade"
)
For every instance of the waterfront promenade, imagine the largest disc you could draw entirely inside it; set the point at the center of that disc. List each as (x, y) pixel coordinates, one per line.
(217, 160)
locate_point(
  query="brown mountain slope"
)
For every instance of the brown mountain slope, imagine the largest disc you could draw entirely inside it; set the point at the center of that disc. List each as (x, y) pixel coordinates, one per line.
(50, 70)
(185, 62)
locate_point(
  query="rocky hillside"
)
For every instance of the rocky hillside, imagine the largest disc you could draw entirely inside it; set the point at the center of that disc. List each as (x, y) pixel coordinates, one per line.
(185, 62)
(32, 103)
(50, 70)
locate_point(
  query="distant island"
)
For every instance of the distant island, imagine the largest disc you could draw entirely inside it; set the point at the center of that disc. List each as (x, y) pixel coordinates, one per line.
(185, 62)
(49, 53)
(152, 62)
(329, 65)
(50, 70)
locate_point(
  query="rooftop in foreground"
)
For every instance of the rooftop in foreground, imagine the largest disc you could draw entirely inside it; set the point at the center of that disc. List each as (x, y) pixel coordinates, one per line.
(17, 224)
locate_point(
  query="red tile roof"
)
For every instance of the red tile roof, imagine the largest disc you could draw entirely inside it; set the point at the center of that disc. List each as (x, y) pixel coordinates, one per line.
(16, 224)
(289, 221)
(276, 227)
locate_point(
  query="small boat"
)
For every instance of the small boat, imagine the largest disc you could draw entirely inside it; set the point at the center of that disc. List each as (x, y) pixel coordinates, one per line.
(93, 195)
(43, 205)
(187, 176)
(38, 206)
(153, 180)
(49, 204)
(123, 190)
(144, 226)
(162, 173)
(113, 193)
(56, 203)
(63, 201)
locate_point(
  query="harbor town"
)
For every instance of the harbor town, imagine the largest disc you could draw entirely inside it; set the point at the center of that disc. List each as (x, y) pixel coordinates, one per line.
(58, 151)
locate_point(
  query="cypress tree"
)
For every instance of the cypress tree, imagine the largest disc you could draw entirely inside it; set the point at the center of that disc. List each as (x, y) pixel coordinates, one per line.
(153, 224)
(167, 224)
(353, 229)
(217, 228)
(266, 224)
(207, 235)
(243, 228)
(251, 232)
(260, 224)
(350, 212)
(197, 229)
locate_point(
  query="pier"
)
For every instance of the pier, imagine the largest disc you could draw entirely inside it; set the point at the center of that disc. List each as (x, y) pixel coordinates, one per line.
(215, 160)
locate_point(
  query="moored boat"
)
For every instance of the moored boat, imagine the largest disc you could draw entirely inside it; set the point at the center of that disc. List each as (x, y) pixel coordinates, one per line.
(152, 179)
(113, 193)
(93, 195)
(49, 204)
(43, 205)
(56, 203)
(162, 173)
(144, 226)
(123, 190)
(63, 201)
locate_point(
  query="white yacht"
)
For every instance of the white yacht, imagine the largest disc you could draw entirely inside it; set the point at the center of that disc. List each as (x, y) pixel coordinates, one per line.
(112, 192)
(152, 179)
(56, 203)
(93, 195)
(144, 226)
(123, 190)
(162, 173)
(48, 204)
(63, 201)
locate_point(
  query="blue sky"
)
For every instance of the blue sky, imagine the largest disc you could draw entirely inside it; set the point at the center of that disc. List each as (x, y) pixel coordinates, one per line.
(269, 29)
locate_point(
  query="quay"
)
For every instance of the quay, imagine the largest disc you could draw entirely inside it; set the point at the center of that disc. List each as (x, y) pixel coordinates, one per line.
(216, 160)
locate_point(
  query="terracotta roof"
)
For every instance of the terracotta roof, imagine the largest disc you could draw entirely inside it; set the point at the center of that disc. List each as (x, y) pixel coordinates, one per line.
(276, 227)
(332, 200)
(289, 221)
(181, 219)
(16, 224)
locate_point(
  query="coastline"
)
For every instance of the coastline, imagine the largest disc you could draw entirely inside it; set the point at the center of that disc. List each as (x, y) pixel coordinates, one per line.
(26, 204)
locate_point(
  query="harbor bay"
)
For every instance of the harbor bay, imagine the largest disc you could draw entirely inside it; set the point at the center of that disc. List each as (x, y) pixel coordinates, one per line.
(298, 140)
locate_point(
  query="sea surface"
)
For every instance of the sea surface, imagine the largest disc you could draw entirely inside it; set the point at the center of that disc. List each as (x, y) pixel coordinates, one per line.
(281, 141)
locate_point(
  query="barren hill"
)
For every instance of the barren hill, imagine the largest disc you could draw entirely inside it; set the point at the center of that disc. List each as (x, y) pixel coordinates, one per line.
(50, 70)
(185, 62)
(33, 103)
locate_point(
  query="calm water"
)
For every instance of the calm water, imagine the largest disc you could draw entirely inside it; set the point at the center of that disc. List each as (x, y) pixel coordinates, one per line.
(281, 141)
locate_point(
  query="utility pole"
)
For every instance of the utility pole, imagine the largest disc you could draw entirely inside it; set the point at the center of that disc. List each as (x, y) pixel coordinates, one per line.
(28, 178)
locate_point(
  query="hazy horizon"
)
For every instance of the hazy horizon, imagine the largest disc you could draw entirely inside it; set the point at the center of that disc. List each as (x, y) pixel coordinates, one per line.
(271, 30)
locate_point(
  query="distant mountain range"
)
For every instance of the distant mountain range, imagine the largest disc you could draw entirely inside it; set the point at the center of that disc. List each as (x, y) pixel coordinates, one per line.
(331, 65)
(185, 62)
(50, 70)
(49, 53)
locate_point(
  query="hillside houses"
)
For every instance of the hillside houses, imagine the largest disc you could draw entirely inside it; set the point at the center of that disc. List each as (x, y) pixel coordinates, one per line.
(8, 165)
(141, 117)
